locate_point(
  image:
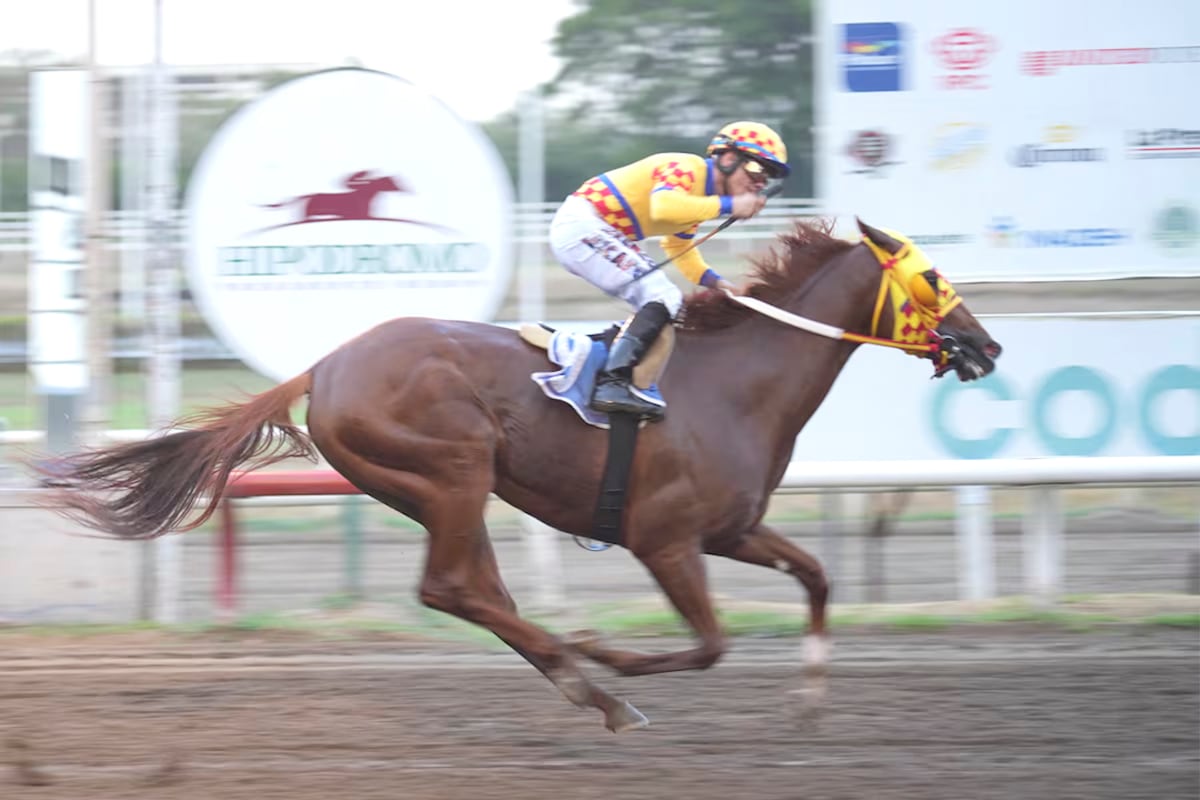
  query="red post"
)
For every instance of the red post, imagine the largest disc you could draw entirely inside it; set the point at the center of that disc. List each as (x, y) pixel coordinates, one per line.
(226, 594)
(265, 484)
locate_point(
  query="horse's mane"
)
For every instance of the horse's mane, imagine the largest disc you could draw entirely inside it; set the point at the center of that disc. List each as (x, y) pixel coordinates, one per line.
(794, 258)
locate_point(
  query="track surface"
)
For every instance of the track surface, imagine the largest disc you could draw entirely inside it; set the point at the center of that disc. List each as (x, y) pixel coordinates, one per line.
(980, 713)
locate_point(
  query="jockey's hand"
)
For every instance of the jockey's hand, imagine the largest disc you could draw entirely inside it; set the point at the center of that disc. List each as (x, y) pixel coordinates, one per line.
(746, 205)
(725, 286)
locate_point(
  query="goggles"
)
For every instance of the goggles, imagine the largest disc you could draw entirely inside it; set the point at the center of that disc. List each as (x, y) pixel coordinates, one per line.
(760, 169)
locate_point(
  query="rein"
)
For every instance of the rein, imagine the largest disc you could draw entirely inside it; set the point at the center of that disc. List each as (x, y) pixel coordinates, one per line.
(767, 192)
(889, 282)
(828, 331)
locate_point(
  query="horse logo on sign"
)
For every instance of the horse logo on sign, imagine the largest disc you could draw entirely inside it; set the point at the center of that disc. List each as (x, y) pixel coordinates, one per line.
(358, 203)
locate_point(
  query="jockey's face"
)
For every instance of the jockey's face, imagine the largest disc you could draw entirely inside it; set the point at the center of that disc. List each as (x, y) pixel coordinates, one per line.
(742, 180)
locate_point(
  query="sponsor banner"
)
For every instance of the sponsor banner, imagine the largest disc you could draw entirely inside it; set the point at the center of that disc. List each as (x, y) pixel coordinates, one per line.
(338, 201)
(1063, 387)
(1028, 140)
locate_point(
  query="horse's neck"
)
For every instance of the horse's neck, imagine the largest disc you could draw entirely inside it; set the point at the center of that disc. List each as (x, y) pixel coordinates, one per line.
(778, 374)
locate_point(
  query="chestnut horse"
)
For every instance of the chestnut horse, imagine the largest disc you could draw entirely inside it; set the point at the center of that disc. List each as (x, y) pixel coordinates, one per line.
(430, 417)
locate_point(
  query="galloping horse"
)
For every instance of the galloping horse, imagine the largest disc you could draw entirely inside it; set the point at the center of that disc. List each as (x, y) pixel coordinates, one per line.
(431, 417)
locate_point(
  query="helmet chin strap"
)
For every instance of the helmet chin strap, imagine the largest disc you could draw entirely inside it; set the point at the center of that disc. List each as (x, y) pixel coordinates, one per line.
(726, 170)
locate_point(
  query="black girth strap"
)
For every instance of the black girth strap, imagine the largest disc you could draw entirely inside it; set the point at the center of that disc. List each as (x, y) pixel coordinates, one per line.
(622, 439)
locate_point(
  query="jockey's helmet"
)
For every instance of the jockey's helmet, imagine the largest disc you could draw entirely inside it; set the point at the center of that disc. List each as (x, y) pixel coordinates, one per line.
(755, 140)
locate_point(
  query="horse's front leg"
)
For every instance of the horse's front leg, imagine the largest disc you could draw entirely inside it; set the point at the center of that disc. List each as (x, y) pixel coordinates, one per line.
(765, 547)
(679, 570)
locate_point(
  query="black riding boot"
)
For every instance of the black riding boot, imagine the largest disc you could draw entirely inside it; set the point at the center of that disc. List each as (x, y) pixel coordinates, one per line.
(614, 393)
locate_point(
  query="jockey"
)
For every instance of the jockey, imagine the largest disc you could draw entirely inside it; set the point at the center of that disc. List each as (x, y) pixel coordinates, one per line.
(595, 233)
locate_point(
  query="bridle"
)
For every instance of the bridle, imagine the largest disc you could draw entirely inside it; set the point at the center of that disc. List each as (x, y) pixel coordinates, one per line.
(915, 321)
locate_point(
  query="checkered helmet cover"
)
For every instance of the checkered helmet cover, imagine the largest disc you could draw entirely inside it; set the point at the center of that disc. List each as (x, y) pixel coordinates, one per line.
(753, 139)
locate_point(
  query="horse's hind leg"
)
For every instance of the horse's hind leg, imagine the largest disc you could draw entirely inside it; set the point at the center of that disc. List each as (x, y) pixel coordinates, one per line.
(680, 573)
(463, 579)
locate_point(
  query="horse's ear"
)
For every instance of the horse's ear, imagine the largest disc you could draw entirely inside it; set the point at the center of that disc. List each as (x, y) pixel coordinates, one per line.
(887, 243)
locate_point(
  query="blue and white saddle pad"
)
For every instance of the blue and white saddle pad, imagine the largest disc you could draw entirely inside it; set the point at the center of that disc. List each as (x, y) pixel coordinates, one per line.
(581, 358)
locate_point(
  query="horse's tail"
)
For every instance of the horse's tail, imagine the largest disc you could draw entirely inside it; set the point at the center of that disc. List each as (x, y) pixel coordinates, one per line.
(145, 489)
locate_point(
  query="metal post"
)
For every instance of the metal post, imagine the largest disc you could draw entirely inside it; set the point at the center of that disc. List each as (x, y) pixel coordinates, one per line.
(97, 282)
(545, 565)
(1043, 544)
(531, 302)
(976, 552)
(831, 536)
(5, 122)
(163, 301)
(226, 562)
(353, 538)
(133, 197)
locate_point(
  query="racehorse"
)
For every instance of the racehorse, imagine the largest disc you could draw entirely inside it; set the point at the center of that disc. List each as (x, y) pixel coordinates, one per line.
(430, 417)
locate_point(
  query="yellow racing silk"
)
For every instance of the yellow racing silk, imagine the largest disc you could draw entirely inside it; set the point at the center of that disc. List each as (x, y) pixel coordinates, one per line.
(667, 194)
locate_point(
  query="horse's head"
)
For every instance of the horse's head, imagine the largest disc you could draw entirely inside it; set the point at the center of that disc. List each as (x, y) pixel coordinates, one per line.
(364, 180)
(919, 307)
(387, 183)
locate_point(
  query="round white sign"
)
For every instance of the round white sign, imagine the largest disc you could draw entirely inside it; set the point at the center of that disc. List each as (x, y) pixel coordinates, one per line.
(335, 202)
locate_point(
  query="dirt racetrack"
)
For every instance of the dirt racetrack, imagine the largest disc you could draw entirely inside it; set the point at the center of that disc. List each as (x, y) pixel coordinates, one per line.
(990, 712)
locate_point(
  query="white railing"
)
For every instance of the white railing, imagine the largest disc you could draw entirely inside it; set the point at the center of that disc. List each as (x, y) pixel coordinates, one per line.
(531, 222)
(1043, 526)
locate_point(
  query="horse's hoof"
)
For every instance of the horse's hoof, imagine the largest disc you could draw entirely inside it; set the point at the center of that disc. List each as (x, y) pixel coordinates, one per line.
(816, 650)
(625, 718)
(582, 640)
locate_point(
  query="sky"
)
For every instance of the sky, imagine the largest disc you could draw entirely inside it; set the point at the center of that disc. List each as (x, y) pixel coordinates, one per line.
(477, 56)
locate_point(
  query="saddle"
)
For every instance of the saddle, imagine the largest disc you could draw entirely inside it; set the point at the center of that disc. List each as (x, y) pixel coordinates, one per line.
(623, 429)
(647, 371)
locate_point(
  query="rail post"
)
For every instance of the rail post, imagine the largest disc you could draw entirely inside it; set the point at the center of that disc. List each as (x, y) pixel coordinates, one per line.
(352, 582)
(1043, 536)
(226, 562)
(976, 552)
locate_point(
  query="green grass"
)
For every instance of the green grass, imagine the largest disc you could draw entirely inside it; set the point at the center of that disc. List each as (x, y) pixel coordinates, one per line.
(199, 388)
(640, 621)
(667, 623)
(1175, 620)
(337, 619)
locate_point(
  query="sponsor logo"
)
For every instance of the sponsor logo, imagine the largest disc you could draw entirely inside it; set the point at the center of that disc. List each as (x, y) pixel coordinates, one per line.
(305, 231)
(963, 53)
(1042, 63)
(871, 151)
(1177, 229)
(941, 239)
(364, 251)
(1055, 149)
(872, 56)
(958, 145)
(1004, 232)
(1163, 143)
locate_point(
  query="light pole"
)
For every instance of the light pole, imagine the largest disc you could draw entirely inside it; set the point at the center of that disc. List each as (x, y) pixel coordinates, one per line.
(6, 127)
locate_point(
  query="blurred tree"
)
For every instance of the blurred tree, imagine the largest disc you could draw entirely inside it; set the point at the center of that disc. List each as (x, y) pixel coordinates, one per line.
(679, 69)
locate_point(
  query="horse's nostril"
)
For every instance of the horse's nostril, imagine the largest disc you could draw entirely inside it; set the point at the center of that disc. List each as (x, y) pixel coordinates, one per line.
(992, 350)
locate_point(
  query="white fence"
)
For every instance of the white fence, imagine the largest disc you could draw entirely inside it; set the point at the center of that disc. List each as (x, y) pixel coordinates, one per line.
(1043, 528)
(531, 222)
(1043, 525)
(1041, 477)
